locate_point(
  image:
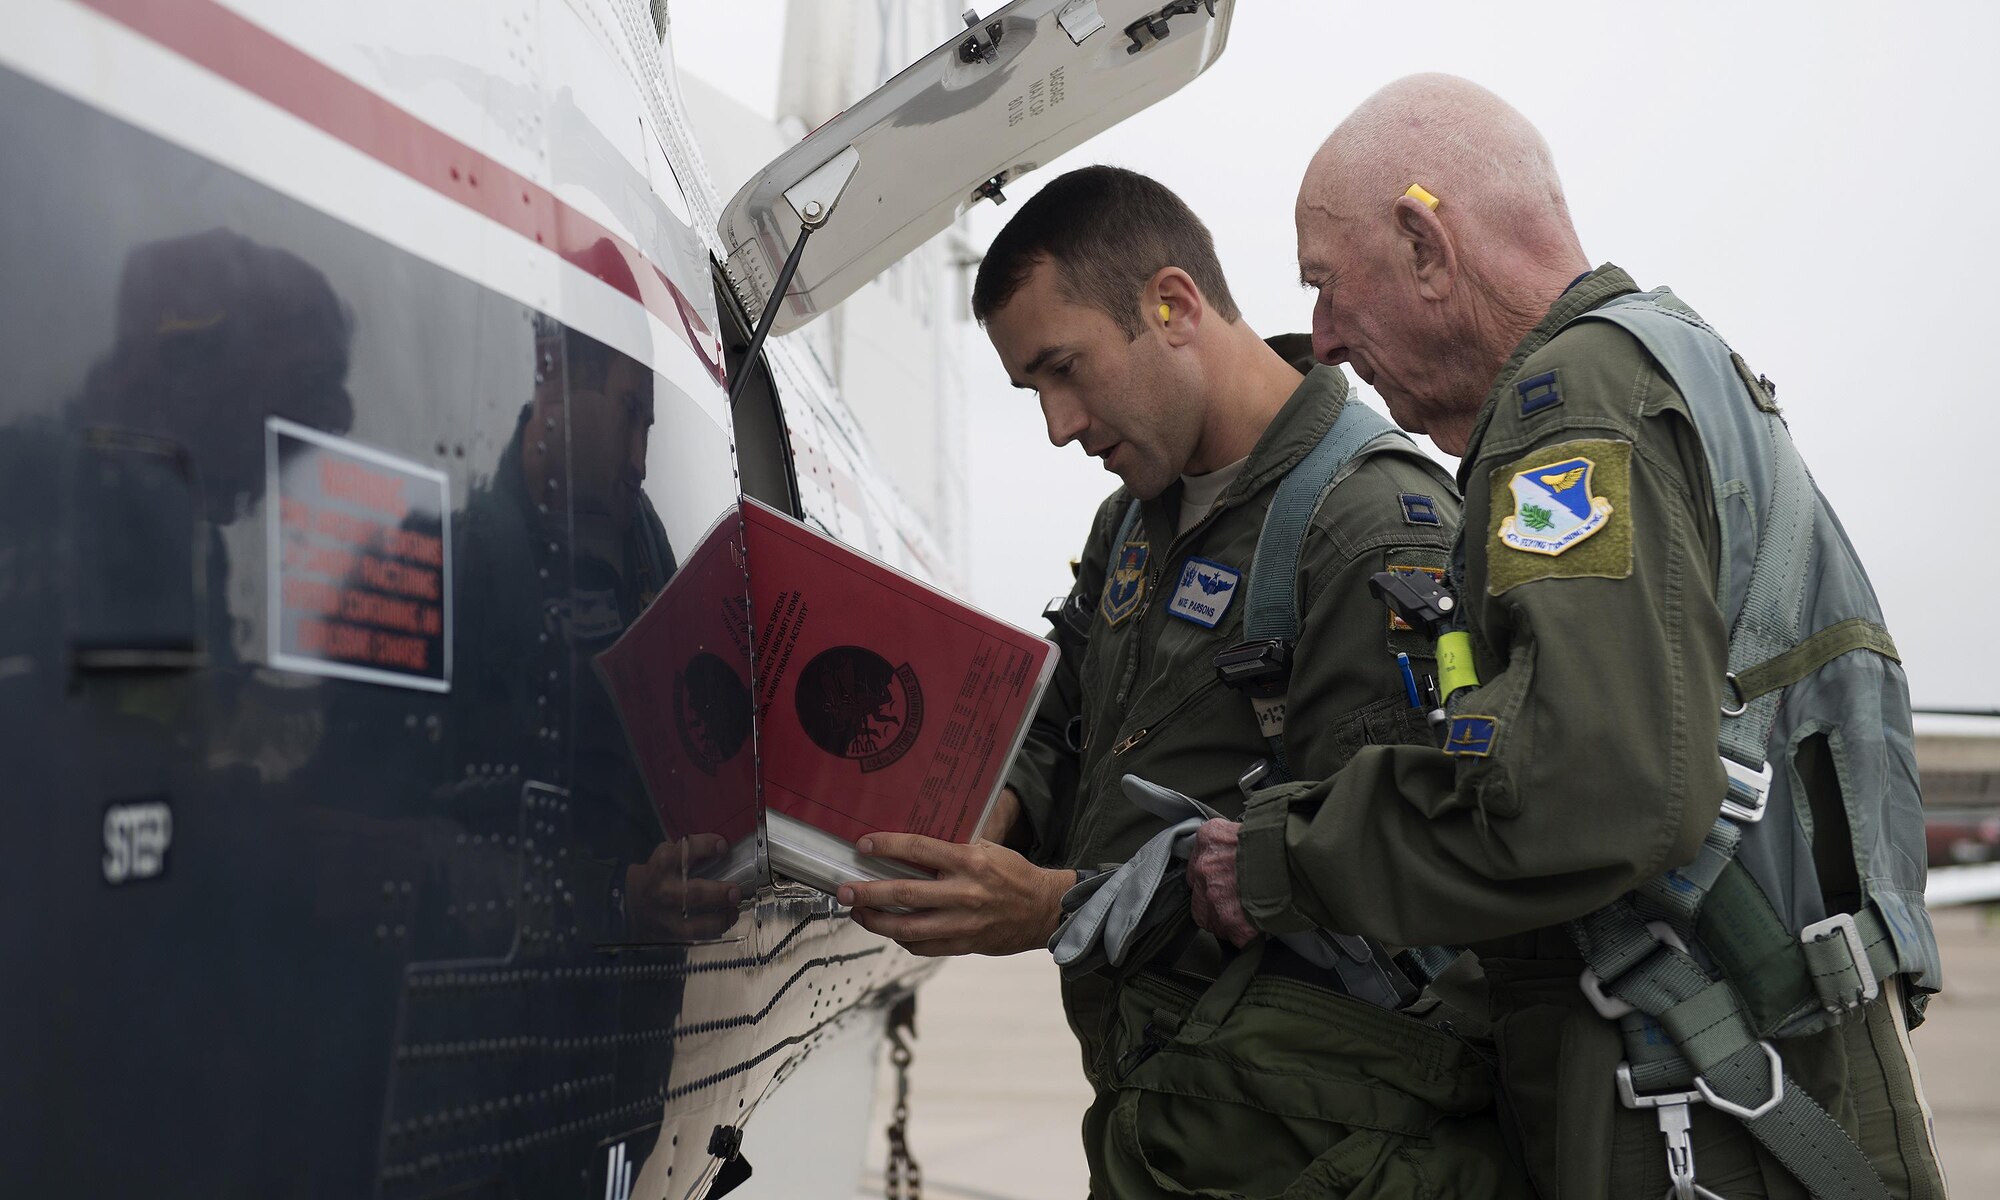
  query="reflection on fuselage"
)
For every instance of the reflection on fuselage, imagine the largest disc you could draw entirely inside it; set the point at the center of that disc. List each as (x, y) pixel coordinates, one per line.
(403, 941)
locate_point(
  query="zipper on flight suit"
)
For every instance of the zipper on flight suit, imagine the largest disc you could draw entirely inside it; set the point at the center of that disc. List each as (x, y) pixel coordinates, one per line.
(1138, 641)
(1139, 735)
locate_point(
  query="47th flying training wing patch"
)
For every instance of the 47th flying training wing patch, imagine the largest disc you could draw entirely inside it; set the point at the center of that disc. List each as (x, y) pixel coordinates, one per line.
(1563, 511)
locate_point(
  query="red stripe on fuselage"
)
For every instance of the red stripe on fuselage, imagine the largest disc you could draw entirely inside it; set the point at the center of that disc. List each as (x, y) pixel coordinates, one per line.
(213, 37)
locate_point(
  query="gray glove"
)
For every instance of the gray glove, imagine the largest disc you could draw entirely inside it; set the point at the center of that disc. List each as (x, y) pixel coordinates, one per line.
(1111, 911)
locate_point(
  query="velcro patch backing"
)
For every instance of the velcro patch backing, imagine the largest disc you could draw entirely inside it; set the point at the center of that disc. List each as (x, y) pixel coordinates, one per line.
(1561, 512)
(1410, 558)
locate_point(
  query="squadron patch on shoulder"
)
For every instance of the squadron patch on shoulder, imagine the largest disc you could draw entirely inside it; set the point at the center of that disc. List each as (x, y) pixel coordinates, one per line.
(1205, 590)
(1563, 511)
(1127, 585)
(1471, 736)
(1554, 508)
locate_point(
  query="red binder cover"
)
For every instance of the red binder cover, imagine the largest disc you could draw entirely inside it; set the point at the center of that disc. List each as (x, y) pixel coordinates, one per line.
(680, 680)
(881, 702)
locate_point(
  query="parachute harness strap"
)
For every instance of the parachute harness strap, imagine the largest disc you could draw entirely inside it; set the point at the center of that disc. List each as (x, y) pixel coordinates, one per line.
(1681, 1027)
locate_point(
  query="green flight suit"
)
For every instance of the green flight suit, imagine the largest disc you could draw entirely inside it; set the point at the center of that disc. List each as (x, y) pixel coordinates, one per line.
(1300, 1072)
(1593, 770)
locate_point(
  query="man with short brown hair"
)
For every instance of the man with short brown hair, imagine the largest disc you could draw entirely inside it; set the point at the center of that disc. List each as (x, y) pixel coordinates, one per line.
(1103, 296)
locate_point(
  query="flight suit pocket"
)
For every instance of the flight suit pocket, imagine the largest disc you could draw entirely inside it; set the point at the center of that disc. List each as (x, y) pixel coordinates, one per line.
(1299, 1091)
(1557, 1059)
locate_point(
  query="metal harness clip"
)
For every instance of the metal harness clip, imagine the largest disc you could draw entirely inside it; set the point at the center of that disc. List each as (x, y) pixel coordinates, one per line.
(1871, 985)
(1749, 789)
(1675, 1127)
(1610, 1007)
(1744, 1112)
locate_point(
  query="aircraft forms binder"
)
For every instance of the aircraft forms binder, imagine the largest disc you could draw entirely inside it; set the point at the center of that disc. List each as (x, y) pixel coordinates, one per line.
(880, 703)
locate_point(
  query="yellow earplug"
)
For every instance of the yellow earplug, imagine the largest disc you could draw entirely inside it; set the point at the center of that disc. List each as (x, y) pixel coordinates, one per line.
(1417, 192)
(1166, 314)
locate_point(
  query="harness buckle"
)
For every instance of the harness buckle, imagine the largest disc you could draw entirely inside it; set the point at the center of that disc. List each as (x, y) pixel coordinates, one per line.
(1744, 1112)
(1748, 792)
(1871, 985)
(1260, 669)
(1610, 1007)
(1676, 1127)
(1068, 614)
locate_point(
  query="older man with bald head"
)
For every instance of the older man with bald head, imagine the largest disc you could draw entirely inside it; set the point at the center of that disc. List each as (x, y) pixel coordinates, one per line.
(1674, 808)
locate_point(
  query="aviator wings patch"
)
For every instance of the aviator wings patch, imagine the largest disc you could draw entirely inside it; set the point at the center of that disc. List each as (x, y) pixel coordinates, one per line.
(1205, 590)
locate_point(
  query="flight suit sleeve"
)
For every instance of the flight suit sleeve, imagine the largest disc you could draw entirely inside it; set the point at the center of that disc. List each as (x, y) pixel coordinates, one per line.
(1346, 691)
(1586, 764)
(1044, 774)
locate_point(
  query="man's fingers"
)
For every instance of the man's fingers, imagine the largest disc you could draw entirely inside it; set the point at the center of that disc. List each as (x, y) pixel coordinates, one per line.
(949, 948)
(912, 929)
(901, 893)
(917, 850)
(1202, 910)
(1239, 931)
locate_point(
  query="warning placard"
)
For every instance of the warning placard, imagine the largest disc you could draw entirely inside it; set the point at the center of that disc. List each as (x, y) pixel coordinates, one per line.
(360, 561)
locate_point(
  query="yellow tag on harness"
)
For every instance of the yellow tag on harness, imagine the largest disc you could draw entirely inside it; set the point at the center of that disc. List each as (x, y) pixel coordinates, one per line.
(1455, 670)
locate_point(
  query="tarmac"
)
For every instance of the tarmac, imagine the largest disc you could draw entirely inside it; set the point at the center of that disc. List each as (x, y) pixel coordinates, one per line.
(996, 1091)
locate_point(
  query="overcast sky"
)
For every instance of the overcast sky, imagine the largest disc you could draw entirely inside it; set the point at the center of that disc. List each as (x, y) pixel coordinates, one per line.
(1815, 177)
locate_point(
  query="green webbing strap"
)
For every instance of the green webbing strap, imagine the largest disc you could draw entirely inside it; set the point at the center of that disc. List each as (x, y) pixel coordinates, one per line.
(1840, 979)
(1767, 626)
(1118, 542)
(1704, 1019)
(1677, 895)
(1735, 1071)
(1271, 608)
(1855, 633)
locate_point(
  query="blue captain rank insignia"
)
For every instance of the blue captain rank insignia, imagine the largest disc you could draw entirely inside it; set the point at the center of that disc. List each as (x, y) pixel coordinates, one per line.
(1127, 585)
(1419, 509)
(1542, 391)
(1205, 590)
(1553, 508)
(1471, 736)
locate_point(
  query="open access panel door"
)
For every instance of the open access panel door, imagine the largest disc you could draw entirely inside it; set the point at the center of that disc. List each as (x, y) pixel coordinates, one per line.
(1018, 88)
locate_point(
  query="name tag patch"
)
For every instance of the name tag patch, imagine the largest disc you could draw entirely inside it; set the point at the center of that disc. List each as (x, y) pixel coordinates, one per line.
(1205, 590)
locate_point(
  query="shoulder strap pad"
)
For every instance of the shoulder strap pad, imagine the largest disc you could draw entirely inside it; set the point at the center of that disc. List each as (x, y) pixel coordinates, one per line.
(1766, 625)
(1272, 606)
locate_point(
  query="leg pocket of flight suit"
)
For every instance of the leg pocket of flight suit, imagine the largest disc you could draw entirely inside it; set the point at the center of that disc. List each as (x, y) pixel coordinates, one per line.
(1556, 1080)
(1267, 1087)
